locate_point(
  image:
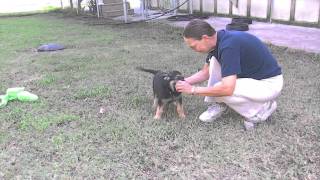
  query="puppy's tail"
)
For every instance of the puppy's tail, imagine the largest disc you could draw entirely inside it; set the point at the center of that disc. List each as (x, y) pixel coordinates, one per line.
(147, 70)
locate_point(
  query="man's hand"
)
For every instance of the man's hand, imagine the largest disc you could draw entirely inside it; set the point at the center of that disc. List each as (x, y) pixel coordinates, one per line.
(184, 87)
(225, 87)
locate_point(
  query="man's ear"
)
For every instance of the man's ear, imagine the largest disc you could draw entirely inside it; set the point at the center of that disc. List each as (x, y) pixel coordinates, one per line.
(205, 37)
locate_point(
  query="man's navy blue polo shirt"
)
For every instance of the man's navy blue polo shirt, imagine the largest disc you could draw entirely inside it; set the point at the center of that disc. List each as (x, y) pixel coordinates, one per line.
(244, 55)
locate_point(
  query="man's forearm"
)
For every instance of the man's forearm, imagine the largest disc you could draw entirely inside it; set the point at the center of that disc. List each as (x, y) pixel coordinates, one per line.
(223, 88)
(197, 77)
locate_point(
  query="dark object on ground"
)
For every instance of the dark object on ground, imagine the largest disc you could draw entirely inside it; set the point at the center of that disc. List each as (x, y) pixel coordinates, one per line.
(186, 17)
(164, 90)
(241, 20)
(50, 47)
(237, 27)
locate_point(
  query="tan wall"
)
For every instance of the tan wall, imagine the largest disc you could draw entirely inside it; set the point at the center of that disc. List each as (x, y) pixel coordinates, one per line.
(242, 8)
(196, 5)
(223, 7)
(185, 6)
(208, 6)
(153, 3)
(307, 10)
(304, 10)
(13, 6)
(281, 10)
(259, 8)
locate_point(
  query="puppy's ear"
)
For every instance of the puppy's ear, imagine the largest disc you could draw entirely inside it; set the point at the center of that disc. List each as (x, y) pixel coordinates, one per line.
(176, 72)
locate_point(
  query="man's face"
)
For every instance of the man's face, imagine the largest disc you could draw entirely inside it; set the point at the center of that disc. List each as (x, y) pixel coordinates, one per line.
(201, 46)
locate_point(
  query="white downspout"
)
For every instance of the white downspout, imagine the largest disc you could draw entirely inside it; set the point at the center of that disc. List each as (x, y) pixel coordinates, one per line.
(98, 11)
(174, 5)
(190, 6)
(125, 11)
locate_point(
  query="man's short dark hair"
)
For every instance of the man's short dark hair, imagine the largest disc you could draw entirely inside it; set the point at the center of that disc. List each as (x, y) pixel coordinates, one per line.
(196, 28)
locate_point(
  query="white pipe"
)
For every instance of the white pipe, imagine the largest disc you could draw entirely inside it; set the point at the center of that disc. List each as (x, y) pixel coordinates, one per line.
(190, 6)
(77, 7)
(144, 9)
(271, 8)
(97, 4)
(125, 11)
(173, 6)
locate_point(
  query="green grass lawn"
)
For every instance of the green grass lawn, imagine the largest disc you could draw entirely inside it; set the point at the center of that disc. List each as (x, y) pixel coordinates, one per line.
(63, 136)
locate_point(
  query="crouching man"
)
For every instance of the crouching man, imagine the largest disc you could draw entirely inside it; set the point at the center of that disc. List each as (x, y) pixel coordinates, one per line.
(241, 72)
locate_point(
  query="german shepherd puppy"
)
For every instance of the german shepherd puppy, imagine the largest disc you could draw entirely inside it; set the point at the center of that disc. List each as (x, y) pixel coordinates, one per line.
(164, 90)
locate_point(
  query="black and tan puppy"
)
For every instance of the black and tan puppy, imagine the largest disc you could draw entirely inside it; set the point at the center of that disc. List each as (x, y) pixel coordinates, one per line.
(164, 90)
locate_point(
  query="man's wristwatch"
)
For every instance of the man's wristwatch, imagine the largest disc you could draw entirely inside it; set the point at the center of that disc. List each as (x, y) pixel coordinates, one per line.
(193, 90)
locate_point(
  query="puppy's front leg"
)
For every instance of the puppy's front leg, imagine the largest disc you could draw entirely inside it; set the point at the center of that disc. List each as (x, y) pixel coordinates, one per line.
(159, 112)
(155, 102)
(180, 109)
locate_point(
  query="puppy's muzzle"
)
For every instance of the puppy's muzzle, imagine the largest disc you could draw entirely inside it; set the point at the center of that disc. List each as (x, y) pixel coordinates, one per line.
(174, 82)
(173, 85)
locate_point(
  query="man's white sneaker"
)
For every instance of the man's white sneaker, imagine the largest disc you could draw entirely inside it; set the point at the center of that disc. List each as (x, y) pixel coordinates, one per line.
(266, 112)
(271, 108)
(213, 112)
(263, 115)
(248, 125)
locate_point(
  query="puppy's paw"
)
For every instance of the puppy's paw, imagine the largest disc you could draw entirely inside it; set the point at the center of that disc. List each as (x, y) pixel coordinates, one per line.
(182, 116)
(157, 117)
